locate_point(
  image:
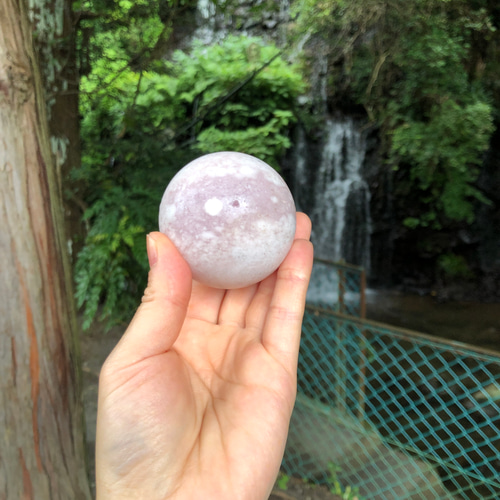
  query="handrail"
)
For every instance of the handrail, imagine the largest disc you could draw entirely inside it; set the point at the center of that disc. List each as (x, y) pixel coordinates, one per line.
(341, 264)
(408, 334)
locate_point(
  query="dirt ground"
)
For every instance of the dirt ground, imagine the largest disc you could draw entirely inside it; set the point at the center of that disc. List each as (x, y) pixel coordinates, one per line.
(95, 347)
(297, 489)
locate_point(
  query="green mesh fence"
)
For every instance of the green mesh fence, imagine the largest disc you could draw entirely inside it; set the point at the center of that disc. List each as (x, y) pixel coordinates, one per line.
(398, 414)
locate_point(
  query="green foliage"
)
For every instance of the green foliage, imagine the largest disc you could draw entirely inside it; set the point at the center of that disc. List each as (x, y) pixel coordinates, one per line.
(103, 268)
(141, 123)
(238, 95)
(417, 68)
(265, 142)
(453, 267)
(444, 153)
(347, 493)
(122, 33)
(282, 481)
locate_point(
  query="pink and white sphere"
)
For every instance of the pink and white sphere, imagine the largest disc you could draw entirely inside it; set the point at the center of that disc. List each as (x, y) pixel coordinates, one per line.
(231, 216)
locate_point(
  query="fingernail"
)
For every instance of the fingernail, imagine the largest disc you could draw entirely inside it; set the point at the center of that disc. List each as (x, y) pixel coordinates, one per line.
(152, 251)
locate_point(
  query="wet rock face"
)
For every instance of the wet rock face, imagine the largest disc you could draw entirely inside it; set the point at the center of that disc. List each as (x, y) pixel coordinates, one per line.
(231, 216)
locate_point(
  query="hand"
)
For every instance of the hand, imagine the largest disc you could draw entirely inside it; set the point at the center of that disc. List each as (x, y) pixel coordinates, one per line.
(195, 400)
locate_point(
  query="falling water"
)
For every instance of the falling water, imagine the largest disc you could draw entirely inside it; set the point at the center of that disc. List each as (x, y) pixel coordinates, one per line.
(210, 23)
(213, 24)
(329, 186)
(341, 211)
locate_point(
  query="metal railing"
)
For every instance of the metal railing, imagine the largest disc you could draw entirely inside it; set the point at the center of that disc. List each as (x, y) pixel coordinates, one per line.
(338, 287)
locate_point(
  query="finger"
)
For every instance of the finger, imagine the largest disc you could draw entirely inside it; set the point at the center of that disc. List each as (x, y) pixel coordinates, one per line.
(205, 303)
(235, 305)
(281, 335)
(303, 227)
(257, 311)
(159, 318)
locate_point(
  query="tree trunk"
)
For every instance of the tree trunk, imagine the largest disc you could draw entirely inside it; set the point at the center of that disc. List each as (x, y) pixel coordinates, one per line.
(41, 416)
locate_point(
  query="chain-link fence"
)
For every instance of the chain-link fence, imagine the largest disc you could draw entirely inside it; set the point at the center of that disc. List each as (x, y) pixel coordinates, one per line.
(399, 414)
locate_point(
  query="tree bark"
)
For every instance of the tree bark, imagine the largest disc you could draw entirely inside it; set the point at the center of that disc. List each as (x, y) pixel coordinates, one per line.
(41, 415)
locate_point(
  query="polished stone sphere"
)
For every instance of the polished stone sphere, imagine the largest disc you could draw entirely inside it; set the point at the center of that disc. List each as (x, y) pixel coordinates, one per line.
(231, 216)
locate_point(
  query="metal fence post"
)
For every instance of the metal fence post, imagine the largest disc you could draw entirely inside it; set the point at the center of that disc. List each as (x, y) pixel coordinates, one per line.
(341, 275)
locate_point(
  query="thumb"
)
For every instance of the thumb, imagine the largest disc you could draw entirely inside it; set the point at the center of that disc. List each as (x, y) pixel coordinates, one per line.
(158, 320)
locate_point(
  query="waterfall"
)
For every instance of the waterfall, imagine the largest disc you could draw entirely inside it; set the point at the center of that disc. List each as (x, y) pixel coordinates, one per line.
(328, 185)
(208, 20)
(339, 198)
(213, 24)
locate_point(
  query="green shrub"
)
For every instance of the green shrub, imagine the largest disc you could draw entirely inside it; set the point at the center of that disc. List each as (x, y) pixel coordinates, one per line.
(453, 267)
(140, 126)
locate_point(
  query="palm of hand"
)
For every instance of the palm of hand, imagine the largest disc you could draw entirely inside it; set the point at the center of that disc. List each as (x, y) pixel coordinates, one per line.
(208, 416)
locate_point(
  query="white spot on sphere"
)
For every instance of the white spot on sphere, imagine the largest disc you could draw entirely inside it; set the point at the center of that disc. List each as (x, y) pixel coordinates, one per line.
(216, 211)
(213, 206)
(170, 212)
(246, 171)
(263, 226)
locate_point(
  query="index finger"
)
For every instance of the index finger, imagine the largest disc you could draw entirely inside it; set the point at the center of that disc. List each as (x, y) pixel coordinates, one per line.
(303, 227)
